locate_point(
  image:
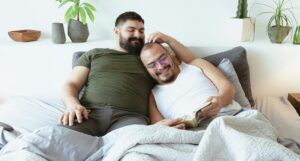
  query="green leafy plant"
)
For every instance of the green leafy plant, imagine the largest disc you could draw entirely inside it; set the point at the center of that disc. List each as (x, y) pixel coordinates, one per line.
(78, 11)
(242, 11)
(281, 19)
(281, 12)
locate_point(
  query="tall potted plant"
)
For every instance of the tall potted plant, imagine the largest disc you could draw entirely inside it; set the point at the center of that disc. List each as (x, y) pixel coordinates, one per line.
(241, 26)
(76, 16)
(280, 22)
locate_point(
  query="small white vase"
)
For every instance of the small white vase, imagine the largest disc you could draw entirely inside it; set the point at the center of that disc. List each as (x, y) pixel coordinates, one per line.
(241, 29)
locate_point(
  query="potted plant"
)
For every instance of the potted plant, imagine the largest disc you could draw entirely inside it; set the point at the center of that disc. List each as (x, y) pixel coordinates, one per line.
(241, 26)
(280, 22)
(76, 16)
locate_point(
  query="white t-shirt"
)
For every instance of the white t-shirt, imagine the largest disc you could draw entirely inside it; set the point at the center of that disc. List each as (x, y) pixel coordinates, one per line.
(184, 95)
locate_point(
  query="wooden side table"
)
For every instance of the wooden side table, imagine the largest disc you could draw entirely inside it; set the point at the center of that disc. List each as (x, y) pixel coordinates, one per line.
(294, 99)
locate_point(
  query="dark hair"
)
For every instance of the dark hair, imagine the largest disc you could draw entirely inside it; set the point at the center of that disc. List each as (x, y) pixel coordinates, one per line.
(130, 15)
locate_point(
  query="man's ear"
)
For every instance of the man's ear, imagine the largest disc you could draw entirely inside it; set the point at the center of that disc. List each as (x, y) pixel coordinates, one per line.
(116, 31)
(173, 56)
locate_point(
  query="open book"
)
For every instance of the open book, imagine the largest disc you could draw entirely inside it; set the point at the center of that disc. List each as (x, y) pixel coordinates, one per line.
(193, 120)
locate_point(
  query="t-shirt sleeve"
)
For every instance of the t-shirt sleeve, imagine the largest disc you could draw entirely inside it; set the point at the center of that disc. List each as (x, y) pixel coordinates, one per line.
(84, 60)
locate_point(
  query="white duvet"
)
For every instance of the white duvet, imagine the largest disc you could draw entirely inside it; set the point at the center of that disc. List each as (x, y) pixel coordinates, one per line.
(248, 136)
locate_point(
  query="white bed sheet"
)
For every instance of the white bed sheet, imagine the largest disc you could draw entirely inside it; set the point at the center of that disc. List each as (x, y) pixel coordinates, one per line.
(282, 116)
(25, 114)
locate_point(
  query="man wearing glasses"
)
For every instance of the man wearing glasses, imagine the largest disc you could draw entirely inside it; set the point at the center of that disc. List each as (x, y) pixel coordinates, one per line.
(191, 92)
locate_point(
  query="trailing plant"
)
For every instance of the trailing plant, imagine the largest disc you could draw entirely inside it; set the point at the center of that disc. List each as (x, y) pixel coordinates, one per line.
(242, 11)
(78, 11)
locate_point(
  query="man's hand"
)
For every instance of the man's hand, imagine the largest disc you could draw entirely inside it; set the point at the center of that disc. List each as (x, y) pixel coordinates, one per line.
(75, 112)
(158, 37)
(213, 109)
(177, 123)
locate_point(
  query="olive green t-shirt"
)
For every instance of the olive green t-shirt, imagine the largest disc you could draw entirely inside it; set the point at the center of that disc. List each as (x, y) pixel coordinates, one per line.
(116, 79)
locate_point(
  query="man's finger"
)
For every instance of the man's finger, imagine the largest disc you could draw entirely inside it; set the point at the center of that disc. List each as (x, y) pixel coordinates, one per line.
(85, 114)
(203, 112)
(180, 126)
(150, 38)
(169, 122)
(209, 98)
(66, 118)
(213, 112)
(71, 118)
(78, 116)
(60, 119)
(174, 122)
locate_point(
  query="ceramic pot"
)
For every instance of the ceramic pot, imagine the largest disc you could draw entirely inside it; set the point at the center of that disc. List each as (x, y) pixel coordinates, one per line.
(77, 31)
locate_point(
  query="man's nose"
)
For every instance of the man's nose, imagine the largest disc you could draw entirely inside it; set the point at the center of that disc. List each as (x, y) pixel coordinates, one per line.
(138, 34)
(159, 66)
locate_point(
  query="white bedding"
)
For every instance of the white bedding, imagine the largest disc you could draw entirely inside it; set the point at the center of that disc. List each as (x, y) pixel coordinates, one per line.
(249, 136)
(26, 114)
(246, 137)
(30, 114)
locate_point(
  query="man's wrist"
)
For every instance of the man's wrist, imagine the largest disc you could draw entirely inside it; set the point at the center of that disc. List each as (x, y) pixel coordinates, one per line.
(170, 41)
(221, 101)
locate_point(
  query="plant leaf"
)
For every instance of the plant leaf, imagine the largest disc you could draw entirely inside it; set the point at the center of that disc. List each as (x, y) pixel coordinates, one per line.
(262, 4)
(293, 15)
(76, 11)
(63, 2)
(68, 14)
(275, 2)
(262, 13)
(82, 15)
(89, 13)
(90, 6)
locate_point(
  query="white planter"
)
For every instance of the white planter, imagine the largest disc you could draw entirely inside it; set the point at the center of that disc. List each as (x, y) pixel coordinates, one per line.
(241, 29)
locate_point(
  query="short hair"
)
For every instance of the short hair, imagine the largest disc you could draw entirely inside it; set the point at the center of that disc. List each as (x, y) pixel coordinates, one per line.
(130, 15)
(149, 45)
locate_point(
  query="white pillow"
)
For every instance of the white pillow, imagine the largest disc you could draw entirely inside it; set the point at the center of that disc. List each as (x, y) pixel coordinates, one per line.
(227, 69)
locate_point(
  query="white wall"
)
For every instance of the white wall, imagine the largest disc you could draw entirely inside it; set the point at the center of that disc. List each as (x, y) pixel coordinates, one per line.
(33, 68)
(192, 21)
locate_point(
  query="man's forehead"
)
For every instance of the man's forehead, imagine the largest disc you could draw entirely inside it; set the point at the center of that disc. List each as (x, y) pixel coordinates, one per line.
(154, 52)
(133, 23)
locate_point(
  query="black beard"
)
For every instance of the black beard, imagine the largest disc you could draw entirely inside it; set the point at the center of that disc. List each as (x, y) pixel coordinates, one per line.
(127, 45)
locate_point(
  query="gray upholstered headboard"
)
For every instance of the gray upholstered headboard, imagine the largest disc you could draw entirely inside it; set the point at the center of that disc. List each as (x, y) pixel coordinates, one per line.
(76, 55)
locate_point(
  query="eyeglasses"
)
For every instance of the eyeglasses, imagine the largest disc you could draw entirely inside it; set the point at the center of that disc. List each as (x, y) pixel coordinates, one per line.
(162, 60)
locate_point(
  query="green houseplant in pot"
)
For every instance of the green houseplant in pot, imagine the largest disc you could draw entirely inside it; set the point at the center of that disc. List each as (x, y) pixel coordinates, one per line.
(280, 22)
(241, 26)
(76, 16)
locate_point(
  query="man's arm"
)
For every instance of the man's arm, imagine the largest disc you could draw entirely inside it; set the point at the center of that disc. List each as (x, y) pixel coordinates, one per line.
(157, 118)
(225, 88)
(180, 50)
(69, 96)
(154, 114)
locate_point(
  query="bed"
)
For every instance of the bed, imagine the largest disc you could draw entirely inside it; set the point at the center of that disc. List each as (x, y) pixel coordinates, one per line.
(269, 135)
